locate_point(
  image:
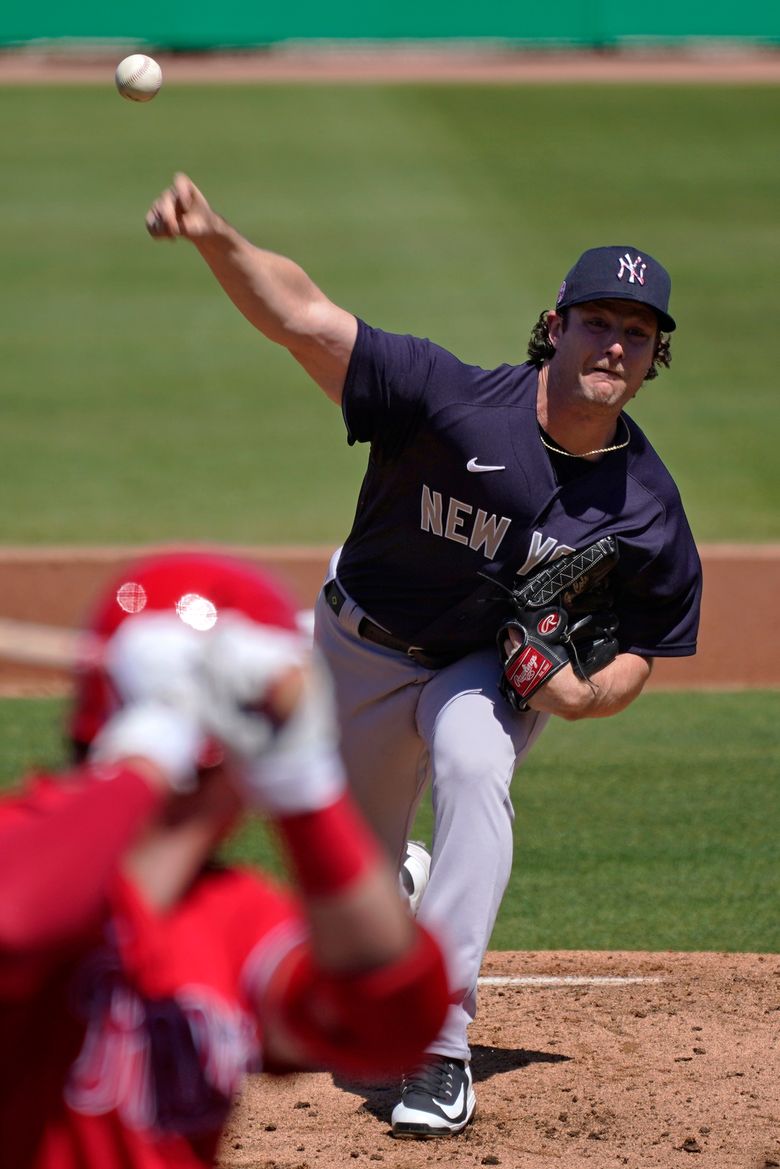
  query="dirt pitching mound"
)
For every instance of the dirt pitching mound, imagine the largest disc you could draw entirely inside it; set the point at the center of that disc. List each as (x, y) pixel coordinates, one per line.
(649, 1061)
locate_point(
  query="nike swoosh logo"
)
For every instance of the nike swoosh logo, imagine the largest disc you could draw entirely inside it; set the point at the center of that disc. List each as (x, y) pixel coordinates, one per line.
(473, 465)
(453, 1111)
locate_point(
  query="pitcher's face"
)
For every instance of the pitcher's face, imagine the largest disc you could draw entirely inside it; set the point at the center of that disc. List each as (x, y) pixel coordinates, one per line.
(604, 352)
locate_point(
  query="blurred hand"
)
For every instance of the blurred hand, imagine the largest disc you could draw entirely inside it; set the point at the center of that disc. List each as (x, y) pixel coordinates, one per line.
(252, 676)
(155, 657)
(301, 770)
(272, 705)
(154, 664)
(153, 732)
(259, 691)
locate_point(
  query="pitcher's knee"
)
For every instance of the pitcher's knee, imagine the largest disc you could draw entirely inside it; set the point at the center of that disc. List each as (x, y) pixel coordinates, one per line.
(469, 767)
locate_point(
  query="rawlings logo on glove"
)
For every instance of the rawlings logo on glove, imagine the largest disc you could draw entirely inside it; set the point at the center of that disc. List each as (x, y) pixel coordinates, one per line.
(562, 617)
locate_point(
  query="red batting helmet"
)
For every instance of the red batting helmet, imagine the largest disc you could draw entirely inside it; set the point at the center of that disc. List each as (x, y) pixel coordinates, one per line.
(195, 585)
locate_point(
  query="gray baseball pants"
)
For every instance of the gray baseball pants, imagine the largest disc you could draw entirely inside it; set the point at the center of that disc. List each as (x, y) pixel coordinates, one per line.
(403, 727)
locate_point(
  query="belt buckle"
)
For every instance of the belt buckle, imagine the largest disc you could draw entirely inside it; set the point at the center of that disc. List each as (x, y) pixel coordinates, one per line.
(334, 595)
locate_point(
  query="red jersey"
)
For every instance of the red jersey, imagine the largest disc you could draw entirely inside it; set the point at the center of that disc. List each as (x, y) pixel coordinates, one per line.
(124, 1040)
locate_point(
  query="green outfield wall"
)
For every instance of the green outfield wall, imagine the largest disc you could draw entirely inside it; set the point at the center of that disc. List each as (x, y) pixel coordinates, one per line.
(234, 23)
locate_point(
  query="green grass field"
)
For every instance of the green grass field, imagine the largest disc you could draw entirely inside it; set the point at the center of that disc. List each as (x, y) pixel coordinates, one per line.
(137, 405)
(656, 830)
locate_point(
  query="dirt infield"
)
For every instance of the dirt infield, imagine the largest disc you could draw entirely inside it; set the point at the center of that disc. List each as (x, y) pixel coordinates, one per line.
(54, 586)
(644, 1061)
(446, 63)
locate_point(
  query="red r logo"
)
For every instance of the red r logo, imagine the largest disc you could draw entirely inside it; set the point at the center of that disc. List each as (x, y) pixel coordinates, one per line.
(549, 623)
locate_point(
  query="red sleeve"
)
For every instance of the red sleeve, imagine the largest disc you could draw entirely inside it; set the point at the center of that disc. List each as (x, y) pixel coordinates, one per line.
(365, 1023)
(59, 845)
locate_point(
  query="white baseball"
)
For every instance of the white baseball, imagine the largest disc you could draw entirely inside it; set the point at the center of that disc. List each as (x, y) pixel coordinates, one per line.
(138, 77)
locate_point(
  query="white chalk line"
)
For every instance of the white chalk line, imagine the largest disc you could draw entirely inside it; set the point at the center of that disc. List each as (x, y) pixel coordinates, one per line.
(569, 980)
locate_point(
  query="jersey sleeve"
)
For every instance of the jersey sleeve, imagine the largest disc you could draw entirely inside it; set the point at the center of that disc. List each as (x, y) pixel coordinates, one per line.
(659, 609)
(385, 386)
(363, 1022)
(60, 840)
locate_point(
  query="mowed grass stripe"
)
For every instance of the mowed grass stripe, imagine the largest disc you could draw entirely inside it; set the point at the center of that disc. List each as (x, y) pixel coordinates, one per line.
(138, 405)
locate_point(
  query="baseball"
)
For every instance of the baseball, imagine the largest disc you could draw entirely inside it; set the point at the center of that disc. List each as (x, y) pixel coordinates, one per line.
(138, 77)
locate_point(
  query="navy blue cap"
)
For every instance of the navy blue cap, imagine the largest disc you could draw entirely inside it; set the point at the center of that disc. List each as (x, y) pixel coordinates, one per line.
(619, 273)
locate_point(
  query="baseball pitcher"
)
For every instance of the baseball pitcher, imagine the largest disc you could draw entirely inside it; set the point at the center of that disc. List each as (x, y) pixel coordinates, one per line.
(449, 654)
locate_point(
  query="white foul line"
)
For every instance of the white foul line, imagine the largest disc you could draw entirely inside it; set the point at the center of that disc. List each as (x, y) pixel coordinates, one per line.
(569, 980)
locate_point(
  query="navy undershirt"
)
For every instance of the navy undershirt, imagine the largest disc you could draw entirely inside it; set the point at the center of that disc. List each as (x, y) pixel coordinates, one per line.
(565, 467)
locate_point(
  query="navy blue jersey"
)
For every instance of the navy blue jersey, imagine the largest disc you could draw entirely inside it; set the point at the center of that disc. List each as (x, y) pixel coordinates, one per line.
(460, 488)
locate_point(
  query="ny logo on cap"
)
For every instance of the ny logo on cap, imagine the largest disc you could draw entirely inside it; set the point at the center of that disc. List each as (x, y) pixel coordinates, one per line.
(635, 268)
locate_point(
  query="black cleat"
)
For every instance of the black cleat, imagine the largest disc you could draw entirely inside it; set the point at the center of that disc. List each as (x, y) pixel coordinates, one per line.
(437, 1099)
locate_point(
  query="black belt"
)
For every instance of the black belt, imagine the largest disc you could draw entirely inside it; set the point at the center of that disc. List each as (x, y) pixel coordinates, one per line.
(370, 631)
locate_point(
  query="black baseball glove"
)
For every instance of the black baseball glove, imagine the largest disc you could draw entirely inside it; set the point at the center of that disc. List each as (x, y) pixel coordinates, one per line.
(562, 616)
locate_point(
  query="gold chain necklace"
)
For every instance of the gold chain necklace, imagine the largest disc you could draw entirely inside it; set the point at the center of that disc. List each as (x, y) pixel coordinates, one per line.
(602, 450)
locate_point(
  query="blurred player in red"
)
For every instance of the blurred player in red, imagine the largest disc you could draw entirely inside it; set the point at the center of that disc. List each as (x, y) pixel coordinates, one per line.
(140, 980)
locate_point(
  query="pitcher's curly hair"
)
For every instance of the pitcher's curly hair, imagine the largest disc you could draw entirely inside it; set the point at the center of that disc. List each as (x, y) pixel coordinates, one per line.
(541, 348)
